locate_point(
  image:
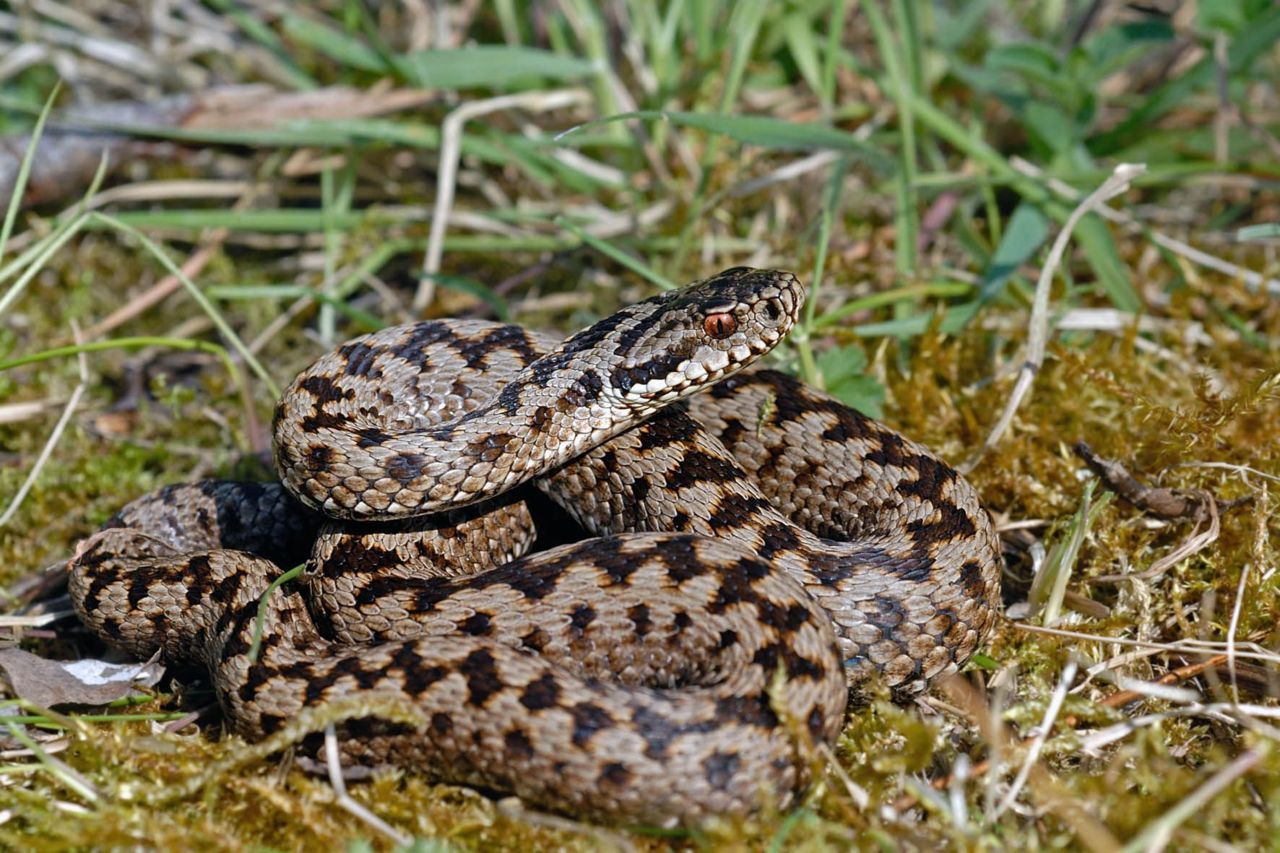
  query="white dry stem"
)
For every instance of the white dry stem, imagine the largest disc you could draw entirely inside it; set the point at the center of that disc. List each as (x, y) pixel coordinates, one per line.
(450, 151)
(345, 800)
(1250, 651)
(1244, 715)
(1038, 334)
(1252, 280)
(1039, 736)
(1195, 542)
(1231, 633)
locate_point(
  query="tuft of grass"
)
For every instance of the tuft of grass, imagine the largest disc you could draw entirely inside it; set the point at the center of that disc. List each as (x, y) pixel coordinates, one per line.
(912, 160)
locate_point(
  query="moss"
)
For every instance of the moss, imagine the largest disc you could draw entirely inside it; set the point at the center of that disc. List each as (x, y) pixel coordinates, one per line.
(1099, 389)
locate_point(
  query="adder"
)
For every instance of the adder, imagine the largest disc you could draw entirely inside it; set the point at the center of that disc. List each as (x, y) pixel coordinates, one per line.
(759, 549)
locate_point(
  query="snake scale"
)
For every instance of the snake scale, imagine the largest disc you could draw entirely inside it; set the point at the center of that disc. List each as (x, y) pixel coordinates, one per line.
(760, 548)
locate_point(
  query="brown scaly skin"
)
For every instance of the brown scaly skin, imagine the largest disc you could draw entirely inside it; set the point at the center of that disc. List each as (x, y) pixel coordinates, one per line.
(339, 459)
(908, 575)
(507, 718)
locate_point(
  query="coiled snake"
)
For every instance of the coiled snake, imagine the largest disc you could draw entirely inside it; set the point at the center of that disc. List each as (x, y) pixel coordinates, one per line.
(668, 670)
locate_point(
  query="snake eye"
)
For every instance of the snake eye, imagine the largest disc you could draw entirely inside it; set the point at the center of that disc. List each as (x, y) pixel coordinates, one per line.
(720, 326)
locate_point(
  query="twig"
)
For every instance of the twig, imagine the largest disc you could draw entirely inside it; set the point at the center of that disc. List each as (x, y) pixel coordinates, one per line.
(1171, 504)
(1123, 697)
(1255, 651)
(1038, 336)
(1166, 503)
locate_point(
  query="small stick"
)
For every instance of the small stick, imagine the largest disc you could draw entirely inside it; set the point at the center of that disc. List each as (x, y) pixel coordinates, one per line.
(1169, 504)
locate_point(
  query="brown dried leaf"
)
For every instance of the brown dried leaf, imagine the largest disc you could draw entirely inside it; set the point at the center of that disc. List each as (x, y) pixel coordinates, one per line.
(48, 683)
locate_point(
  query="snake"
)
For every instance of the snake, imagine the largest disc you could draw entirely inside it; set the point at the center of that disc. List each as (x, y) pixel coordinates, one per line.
(757, 553)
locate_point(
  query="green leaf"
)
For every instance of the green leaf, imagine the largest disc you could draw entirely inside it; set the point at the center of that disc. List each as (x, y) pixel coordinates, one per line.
(1031, 61)
(490, 66)
(1265, 231)
(842, 372)
(341, 47)
(953, 320)
(1228, 16)
(765, 131)
(957, 26)
(280, 220)
(769, 132)
(981, 660)
(802, 45)
(1053, 127)
(1023, 236)
(1095, 241)
(840, 362)
(1117, 46)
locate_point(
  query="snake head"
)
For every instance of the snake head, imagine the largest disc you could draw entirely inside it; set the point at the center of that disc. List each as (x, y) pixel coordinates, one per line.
(681, 341)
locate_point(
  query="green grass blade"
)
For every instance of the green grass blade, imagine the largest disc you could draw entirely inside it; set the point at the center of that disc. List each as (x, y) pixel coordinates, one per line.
(48, 249)
(24, 170)
(491, 66)
(1025, 233)
(121, 343)
(265, 36)
(613, 252)
(1095, 241)
(765, 131)
(345, 49)
(203, 301)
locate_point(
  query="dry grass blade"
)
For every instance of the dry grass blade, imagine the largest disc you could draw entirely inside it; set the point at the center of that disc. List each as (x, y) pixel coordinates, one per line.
(1254, 651)
(450, 150)
(1157, 835)
(1038, 325)
(333, 761)
(1251, 279)
(1038, 737)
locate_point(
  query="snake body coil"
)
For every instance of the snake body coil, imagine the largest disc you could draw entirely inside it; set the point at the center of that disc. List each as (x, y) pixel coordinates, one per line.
(667, 670)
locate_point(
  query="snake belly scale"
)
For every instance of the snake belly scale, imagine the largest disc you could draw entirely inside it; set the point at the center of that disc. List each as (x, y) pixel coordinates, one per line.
(760, 548)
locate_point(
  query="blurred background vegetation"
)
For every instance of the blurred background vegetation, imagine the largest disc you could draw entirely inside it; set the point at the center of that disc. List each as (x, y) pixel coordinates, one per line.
(546, 162)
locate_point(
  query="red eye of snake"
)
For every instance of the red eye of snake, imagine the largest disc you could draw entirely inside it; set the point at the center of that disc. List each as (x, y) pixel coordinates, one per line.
(720, 326)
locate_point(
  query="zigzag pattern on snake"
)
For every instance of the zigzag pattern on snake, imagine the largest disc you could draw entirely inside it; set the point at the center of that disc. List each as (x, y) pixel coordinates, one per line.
(762, 548)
